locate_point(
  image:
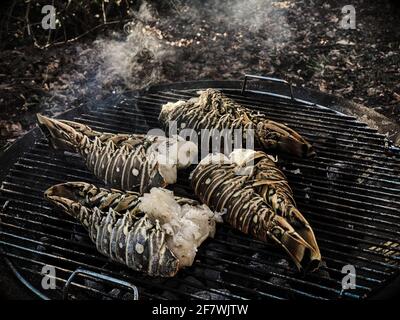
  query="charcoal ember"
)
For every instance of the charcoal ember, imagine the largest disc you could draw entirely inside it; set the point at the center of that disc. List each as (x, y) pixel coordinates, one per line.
(256, 265)
(128, 296)
(207, 295)
(284, 263)
(336, 171)
(191, 285)
(96, 285)
(41, 248)
(211, 256)
(211, 277)
(271, 264)
(281, 282)
(76, 234)
(322, 272)
(113, 294)
(366, 176)
(169, 295)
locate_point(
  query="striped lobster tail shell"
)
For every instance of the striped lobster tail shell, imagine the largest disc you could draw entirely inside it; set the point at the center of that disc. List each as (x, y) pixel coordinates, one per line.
(125, 161)
(224, 191)
(257, 200)
(213, 110)
(118, 228)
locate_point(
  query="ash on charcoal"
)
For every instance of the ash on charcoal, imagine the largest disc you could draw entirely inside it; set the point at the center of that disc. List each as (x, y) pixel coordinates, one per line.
(207, 295)
(41, 248)
(75, 234)
(297, 171)
(306, 193)
(365, 177)
(322, 272)
(281, 282)
(211, 277)
(337, 171)
(44, 239)
(271, 265)
(4, 207)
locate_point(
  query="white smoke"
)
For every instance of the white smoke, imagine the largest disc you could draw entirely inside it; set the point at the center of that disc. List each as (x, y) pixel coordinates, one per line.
(150, 49)
(141, 58)
(138, 59)
(258, 15)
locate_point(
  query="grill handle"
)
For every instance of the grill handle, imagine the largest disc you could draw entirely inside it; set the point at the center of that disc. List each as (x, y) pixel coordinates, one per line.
(102, 277)
(249, 76)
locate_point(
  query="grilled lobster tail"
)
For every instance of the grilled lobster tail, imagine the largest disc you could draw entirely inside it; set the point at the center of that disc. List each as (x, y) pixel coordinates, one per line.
(214, 110)
(129, 229)
(273, 186)
(63, 134)
(257, 202)
(126, 161)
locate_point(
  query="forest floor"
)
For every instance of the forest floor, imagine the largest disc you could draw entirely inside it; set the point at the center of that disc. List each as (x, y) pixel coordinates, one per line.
(301, 41)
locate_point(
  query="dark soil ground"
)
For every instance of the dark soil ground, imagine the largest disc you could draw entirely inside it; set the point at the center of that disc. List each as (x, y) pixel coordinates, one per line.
(301, 41)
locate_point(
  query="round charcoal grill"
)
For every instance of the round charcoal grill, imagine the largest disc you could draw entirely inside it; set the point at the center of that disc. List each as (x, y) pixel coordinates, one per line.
(350, 193)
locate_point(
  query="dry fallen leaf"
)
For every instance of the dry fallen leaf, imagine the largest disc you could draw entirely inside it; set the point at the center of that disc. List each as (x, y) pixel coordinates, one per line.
(345, 42)
(10, 129)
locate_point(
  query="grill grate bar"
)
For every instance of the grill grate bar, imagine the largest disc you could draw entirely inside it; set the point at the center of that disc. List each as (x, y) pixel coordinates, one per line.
(288, 106)
(41, 224)
(61, 229)
(73, 284)
(91, 267)
(272, 111)
(154, 284)
(248, 244)
(311, 213)
(39, 192)
(118, 115)
(99, 257)
(345, 151)
(40, 151)
(311, 178)
(263, 106)
(279, 275)
(89, 245)
(293, 178)
(114, 117)
(80, 233)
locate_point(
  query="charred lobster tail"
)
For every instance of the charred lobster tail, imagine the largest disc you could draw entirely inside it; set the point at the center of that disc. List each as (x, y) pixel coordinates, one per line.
(63, 135)
(131, 239)
(155, 233)
(126, 161)
(213, 110)
(257, 200)
(272, 135)
(292, 238)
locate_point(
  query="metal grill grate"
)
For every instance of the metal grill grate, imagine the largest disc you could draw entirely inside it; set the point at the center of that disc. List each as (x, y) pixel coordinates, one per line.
(349, 193)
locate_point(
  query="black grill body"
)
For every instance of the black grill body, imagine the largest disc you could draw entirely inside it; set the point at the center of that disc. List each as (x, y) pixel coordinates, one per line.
(349, 193)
